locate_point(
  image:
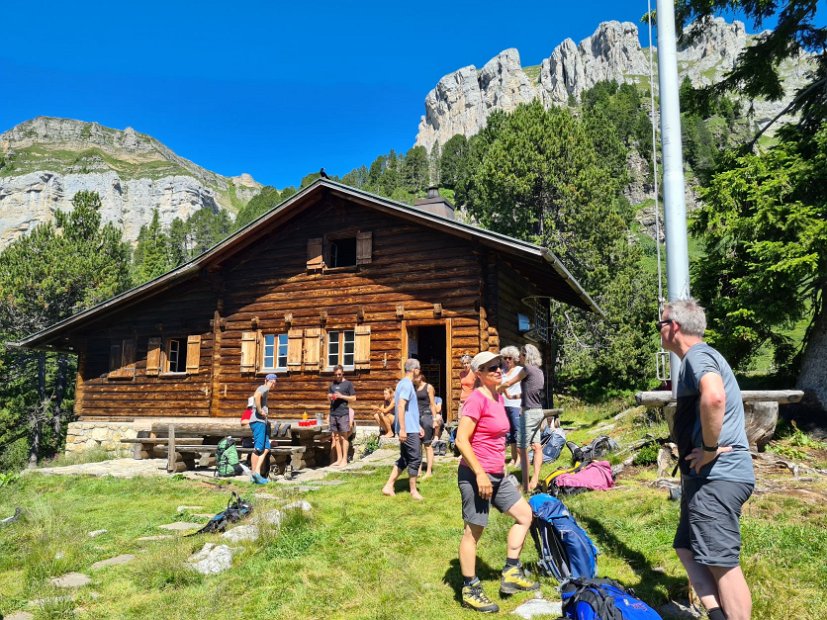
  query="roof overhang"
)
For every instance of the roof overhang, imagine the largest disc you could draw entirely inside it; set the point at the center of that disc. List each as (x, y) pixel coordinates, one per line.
(534, 258)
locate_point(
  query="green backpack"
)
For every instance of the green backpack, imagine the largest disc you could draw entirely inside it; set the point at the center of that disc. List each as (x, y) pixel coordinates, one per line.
(226, 458)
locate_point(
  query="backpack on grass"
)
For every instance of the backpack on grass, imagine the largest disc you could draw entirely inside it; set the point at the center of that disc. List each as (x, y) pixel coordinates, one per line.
(226, 458)
(237, 509)
(565, 550)
(594, 476)
(599, 446)
(603, 599)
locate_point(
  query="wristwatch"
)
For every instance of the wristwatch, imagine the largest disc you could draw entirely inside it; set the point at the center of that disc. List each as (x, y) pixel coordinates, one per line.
(710, 448)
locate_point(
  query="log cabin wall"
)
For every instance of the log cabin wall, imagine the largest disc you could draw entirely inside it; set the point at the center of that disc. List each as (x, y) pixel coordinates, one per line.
(112, 372)
(512, 288)
(411, 276)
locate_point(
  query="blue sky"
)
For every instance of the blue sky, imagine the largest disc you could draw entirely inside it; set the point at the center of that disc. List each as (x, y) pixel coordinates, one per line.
(274, 89)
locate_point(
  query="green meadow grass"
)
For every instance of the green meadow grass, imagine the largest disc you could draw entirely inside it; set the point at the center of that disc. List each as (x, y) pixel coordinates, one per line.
(361, 555)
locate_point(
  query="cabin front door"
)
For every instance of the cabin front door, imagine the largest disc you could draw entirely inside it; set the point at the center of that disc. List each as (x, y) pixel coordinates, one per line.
(428, 341)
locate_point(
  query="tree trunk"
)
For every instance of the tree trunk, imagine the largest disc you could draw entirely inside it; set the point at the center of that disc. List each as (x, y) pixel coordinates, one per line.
(812, 377)
(36, 411)
(60, 393)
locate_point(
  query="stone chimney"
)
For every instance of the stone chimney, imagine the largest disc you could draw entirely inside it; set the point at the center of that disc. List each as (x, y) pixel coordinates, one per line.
(435, 204)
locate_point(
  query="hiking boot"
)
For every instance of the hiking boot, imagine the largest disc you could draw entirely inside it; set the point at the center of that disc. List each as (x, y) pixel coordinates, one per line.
(474, 598)
(515, 580)
(259, 479)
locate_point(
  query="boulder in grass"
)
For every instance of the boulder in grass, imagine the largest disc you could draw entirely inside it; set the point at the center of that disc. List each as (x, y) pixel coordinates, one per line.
(212, 559)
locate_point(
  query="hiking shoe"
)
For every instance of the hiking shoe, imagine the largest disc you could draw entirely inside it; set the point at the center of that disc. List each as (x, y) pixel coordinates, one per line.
(515, 580)
(259, 479)
(474, 598)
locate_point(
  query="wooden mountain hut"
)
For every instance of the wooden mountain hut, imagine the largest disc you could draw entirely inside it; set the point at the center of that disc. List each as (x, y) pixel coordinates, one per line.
(333, 275)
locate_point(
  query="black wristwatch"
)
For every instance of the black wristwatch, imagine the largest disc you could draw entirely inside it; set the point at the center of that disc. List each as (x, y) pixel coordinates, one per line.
(710, 448)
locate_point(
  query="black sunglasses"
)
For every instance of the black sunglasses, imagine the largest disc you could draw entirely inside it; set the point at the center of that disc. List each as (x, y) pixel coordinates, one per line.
(660, 324)
(493, 368)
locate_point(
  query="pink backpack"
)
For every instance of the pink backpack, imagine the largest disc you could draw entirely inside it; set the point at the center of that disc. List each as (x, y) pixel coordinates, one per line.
(596, 476)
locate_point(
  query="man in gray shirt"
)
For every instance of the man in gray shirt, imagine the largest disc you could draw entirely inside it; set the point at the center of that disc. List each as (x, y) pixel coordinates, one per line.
(716, 467)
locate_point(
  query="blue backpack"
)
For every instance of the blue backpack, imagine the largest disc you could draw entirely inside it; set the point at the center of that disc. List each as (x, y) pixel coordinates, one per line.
(603, 599)
(565, 550)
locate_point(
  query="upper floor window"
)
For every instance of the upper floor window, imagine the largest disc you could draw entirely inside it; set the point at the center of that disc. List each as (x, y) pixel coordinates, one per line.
(343, 252)
(176, 350)
(341, 348)
(274, 352)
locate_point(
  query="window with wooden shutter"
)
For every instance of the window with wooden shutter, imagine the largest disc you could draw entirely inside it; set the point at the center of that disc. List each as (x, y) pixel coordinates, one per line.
(315, 256)
(312, 348)
(294, 349)
(364, 247)
(193, 354)
(362, 349)
(248, 351)
(153, 357)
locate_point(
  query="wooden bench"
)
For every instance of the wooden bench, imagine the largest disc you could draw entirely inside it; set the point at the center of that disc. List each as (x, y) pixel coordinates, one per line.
(184, 457)
(760, 411)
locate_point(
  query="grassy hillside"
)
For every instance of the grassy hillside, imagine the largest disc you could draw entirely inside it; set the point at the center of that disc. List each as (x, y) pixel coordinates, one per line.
(360, 555)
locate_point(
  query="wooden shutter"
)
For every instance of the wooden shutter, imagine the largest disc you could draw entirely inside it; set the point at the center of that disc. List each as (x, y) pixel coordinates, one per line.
(294, 349)
(315, 258)
(364, 247)
(193, 354)
(361, 358)
(249, 340)
(312, 348)
(153, 357)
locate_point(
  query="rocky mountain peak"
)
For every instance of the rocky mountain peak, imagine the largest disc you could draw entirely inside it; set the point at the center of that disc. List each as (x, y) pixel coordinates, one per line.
(463, 100)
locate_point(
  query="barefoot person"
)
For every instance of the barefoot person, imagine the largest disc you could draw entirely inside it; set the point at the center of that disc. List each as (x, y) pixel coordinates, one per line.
(481, 479)
(342, 396)
(410, 433)
(427, 413)
(532, 384)
(383, 414)
(716, 467)
(258, 426)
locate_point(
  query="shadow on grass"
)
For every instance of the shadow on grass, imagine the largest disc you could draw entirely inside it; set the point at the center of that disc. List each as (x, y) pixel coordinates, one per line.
(453, 576)
(652, 582)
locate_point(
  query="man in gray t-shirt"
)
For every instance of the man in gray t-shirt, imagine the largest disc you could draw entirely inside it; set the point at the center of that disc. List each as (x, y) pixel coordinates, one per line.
(716, 467)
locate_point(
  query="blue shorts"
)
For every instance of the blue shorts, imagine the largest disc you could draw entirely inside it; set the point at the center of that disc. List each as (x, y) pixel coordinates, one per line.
(261, 438)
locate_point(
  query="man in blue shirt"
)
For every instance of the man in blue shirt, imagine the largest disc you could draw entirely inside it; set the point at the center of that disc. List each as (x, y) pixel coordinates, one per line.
(407, 416)
(716, 467)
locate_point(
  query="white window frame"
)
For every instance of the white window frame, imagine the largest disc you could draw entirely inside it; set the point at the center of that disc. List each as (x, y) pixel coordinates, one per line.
(336, 349)
(277, 346)
(181, 349)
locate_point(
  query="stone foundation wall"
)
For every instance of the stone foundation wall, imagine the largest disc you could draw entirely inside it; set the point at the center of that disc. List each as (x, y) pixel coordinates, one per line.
(86, 436)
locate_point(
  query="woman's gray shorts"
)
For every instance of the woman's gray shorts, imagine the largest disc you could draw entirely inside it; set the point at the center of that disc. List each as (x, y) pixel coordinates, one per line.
(474, 508)
(709, 525)
(529, 432)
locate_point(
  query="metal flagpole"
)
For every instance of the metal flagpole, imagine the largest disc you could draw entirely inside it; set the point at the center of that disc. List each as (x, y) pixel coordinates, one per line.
(674, 205)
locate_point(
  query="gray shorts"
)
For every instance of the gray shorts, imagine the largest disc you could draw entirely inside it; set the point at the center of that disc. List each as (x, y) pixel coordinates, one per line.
(339, 424)
(529, 432)
(474, 508)
(709, 525)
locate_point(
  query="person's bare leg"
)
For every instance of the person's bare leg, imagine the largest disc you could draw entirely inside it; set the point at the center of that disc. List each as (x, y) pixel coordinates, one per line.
(701, 579)
(523, 452)
(521, 513)
(538, 464)
(429, 462)
(733, 592)
(468, 549)
(414, 492)
(255, 463)
(388, 488)
(344, 444)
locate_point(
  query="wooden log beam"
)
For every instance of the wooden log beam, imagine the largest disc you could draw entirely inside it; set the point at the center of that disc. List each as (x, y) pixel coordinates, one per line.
(782, 397)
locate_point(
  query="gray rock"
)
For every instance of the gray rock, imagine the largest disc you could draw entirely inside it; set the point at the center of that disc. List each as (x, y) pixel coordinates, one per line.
(302, 505)
(183, 509)
(539, 607)
(241, 533)
(212, 559)
(180, 526)
(273, 517)
(265, 496)
(154, 538)
(96, 533)
(19, 615)
(71, 580)
(117, 560)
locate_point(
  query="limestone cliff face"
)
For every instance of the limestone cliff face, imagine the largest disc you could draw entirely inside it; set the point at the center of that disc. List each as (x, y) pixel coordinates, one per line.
(462, 101)
(46, 161)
